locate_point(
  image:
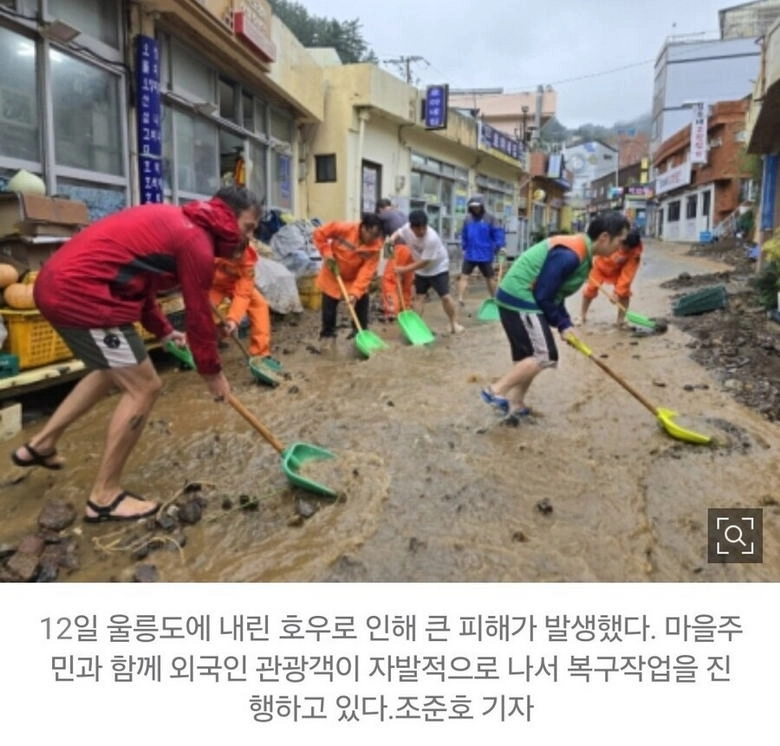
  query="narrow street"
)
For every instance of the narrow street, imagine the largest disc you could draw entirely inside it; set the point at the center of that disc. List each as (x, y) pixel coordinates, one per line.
(590, 490)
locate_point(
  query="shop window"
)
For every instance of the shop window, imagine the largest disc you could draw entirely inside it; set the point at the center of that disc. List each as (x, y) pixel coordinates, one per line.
(167, 149)
(281, 181)
(19, 118)
(196, 154)
(96, 18)
(415, 184)
(690, 206)
(325, 166)
(101, 199)
(192, 77)
(430, 187)
(673, 211)
(227, 100)
(281, 125)
(260, 114)
(232, 166)
(706, 198)
(256, 169)
(87, 115)
(248, 112)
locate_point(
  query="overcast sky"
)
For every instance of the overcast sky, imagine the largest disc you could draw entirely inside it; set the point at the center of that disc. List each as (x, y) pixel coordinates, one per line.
(518, 44)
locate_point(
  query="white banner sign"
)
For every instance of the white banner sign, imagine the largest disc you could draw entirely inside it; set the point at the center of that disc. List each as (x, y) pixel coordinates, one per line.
(699, 134)
(674, 178)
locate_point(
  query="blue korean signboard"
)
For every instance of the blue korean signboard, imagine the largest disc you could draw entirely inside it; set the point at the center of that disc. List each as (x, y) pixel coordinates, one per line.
(436, 103)
(491, 138)
(149, 119)
(768, 192)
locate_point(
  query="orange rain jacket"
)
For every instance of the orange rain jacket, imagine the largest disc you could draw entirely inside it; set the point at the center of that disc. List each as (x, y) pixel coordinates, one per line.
(357, 263)
(618, 269)
(402, 256)
(235, 279)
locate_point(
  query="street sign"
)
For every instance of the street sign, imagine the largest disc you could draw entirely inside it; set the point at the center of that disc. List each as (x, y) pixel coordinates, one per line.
(436, 105)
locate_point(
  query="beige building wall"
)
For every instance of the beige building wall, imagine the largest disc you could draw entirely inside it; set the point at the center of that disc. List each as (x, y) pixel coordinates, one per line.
(370, 115)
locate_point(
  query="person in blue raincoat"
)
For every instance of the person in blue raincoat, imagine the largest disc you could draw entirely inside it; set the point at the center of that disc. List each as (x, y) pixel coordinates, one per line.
(481, 239)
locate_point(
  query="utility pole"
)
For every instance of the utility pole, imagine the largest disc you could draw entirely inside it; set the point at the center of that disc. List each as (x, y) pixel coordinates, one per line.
(405, 63)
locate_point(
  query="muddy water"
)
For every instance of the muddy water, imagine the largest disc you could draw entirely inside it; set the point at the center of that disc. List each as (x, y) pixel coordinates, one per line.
(590, 488)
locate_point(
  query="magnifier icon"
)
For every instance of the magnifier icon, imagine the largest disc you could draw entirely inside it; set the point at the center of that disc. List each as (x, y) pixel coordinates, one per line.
(735, 530)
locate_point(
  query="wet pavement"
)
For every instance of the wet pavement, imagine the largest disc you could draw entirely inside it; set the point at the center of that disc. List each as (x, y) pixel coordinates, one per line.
(433, 488)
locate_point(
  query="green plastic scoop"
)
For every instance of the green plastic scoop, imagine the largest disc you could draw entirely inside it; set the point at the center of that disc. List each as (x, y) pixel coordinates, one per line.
(293, 457)
(367, 342)
(412, 325)
(182, 354)
(488, 311)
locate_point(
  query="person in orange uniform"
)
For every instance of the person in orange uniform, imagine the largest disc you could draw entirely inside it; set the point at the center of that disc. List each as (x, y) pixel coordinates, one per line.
(618, 269)
(352, 250)
(400, 258)
(235, 279)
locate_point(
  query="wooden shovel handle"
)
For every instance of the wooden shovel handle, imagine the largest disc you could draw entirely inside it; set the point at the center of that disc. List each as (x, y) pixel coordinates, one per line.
(400, 290)
(234, 335)
(612, 300)
(255, 423)
(625, 384)
(349, 305)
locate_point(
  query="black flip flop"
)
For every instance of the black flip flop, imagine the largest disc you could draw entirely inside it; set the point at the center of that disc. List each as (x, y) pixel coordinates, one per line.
(106, 512)
(38, 459)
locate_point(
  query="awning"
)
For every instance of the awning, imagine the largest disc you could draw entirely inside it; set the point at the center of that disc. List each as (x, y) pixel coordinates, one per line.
(765, 137)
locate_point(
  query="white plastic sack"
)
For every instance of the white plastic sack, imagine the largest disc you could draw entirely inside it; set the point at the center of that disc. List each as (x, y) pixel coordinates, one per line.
(278, 286)
(293, 247)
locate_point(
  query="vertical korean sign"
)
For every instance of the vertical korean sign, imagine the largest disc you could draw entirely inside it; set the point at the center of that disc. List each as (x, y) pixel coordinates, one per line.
(149, 119)
(436, 107)
(699, 134)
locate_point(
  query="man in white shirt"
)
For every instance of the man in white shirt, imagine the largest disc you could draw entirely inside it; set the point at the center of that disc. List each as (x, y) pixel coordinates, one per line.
(431, 265)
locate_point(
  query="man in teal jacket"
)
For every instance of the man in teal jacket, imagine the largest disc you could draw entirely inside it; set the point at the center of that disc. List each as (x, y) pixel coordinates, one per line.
(531, 301)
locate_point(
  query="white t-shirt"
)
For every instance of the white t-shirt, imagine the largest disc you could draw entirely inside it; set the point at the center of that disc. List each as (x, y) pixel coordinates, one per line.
(428, 248)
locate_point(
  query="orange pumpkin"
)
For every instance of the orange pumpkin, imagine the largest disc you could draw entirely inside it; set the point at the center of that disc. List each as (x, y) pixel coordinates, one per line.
(19, 296)
(8, 275)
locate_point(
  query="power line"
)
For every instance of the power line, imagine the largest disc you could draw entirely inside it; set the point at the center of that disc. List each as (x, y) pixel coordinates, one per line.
(405, 64)
(589, 75)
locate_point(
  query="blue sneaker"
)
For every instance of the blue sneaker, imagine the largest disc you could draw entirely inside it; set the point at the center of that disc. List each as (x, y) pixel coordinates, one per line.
(495, 401)
(514, 418)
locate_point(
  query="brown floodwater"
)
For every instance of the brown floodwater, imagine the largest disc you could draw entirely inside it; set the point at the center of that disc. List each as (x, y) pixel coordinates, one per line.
(432, 488)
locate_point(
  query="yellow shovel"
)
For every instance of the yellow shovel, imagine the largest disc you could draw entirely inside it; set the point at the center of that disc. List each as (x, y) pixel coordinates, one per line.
(664, 416)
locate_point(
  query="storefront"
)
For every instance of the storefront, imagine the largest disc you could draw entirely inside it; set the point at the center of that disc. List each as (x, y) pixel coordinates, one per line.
(116, 104)
(441, 189)
(63, 106)
(214, 126)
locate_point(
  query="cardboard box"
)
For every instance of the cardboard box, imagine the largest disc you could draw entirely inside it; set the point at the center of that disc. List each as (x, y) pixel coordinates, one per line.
(28, 252)
(33, 215)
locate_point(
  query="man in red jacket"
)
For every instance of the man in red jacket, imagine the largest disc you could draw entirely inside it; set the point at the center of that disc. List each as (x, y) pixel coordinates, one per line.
(97, 286)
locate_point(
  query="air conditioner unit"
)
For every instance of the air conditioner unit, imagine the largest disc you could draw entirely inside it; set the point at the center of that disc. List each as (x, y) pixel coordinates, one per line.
(715, 142)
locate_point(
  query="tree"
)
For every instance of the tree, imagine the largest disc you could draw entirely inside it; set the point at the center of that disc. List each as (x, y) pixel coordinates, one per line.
(318, 31)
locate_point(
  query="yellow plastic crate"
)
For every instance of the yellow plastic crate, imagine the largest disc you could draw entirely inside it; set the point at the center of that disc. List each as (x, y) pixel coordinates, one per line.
(33, 339)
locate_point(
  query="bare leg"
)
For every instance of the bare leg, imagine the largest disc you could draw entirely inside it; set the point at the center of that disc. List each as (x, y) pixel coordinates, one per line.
(491, 285)
(87, 392)
(514, 385)
(463, 283)
(621, 317)
(452, 314)
(584, 310)
(140, 388)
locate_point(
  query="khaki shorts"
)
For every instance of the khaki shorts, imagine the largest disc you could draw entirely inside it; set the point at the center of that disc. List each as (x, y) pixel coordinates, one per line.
(102, 349)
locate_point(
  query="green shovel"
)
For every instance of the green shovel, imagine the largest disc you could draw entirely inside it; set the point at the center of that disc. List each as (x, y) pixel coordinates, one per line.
(367, 342)
(293, 457)
(412, 325)
(488, 311)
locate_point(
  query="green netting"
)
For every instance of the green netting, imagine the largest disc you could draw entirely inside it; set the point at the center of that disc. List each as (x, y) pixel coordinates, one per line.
(701, 301)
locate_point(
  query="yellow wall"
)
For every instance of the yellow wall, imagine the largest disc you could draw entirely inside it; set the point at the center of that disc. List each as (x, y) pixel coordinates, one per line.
(390, 112)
